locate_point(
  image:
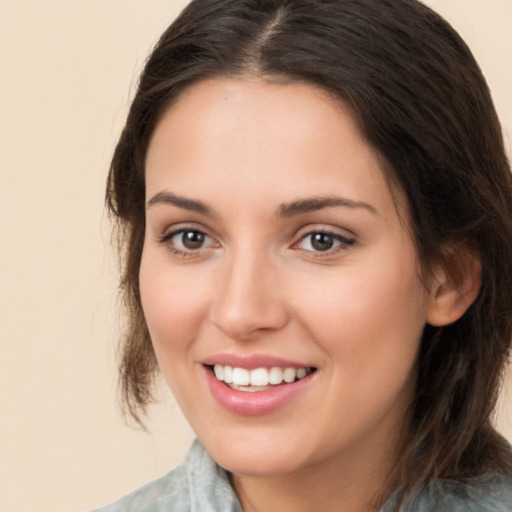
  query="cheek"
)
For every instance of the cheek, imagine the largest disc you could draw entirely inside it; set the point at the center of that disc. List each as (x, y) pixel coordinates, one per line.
(369, 322)
(173, 305)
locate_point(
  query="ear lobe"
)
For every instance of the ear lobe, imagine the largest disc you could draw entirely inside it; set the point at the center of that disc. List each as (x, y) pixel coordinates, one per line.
(455, 287)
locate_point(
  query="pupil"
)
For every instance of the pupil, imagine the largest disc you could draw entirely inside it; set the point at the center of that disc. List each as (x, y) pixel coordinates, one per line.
(322, 241)
(193, 239)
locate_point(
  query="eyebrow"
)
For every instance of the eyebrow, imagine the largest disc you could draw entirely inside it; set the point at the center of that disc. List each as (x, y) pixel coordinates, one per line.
(308, 205)
(180, 202)
(285, 210)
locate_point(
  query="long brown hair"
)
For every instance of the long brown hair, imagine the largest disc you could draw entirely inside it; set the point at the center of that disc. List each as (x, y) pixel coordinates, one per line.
(421, 101)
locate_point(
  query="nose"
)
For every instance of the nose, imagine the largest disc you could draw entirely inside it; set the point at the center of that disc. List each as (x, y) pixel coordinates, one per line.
(248, 302)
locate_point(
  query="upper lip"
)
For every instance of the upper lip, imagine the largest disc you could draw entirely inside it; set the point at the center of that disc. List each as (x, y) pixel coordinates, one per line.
(252, 361)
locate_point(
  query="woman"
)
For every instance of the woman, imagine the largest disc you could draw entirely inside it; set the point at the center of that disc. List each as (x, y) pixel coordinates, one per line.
(315, 211)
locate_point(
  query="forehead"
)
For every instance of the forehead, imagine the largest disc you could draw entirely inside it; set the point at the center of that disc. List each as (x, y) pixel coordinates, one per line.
(249, 136)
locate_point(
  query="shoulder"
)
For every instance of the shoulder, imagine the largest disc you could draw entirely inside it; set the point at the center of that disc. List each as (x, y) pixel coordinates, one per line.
(155, 496)
(197, 485)
(492, 493)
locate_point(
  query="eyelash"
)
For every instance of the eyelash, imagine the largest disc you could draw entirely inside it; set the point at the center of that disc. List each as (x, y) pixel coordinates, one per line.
(183, 253)
(343, 243)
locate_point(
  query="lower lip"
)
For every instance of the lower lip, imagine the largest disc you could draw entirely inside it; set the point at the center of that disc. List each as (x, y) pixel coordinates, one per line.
(255, 403)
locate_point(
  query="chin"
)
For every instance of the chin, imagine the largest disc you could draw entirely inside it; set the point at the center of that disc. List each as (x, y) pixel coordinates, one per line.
(256, 458)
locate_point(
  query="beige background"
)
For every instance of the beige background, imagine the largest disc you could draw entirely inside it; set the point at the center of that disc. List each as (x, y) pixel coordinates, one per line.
(67, 69)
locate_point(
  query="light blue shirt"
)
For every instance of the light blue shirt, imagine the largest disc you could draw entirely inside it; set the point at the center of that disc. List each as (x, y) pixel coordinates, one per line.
(200, 485)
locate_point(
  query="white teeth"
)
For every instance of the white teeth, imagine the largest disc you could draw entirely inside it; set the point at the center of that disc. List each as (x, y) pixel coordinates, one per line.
(258, 379)
(219, 371)
(289, 374)
(228, 374)
(301, 373)
(250, 389)
(241, 377)
(275, 376)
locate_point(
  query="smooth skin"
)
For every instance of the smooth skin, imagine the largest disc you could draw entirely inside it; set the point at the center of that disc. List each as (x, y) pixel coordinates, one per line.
(271, 230)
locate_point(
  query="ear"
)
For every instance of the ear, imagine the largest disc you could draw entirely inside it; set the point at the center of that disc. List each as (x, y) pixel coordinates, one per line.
(455, 286)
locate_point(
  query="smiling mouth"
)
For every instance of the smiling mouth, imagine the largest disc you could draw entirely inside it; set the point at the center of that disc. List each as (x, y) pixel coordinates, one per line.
(259, 379)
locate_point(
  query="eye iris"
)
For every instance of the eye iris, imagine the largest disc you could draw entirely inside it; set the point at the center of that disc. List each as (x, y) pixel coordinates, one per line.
(322, 241)
(192, 239)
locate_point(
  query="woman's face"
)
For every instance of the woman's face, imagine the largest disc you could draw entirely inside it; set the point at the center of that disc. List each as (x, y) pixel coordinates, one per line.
(274, 251)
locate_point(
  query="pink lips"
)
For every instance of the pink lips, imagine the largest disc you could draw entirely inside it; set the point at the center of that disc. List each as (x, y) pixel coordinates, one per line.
(258, 402)
(250, 362)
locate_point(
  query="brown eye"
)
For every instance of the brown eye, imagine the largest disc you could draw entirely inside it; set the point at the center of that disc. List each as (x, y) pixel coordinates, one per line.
(322, 241)
(192, 239)
(319, 241)
(187, 241)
